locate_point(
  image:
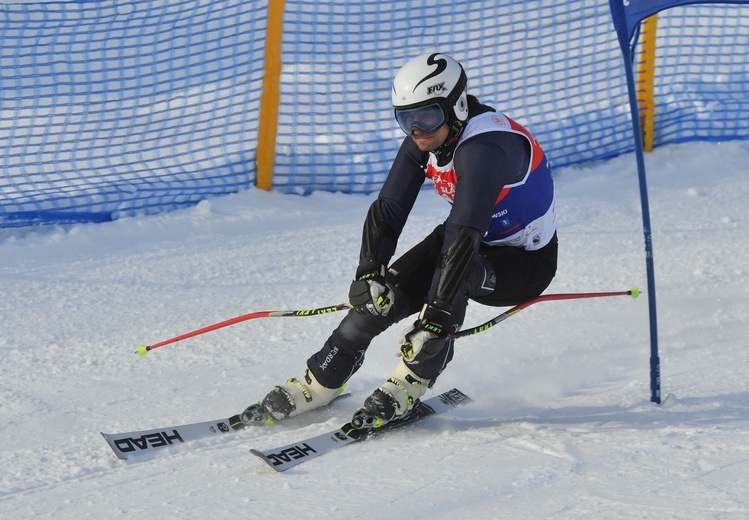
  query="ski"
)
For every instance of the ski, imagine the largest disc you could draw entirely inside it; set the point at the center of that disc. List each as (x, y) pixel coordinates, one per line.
(139, 442)
(285, 457)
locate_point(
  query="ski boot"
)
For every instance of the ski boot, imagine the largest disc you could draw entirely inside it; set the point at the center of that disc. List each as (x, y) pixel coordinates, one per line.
(393, 400)
(292, 398)
(256, 415)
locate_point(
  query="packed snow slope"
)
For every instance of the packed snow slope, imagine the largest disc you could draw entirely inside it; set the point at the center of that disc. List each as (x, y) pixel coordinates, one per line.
(561, 425)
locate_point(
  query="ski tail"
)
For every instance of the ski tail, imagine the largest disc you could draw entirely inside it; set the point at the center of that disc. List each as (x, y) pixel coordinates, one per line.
(145, 441)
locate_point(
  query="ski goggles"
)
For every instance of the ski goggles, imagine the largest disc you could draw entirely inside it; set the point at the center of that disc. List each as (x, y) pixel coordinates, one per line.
(427, 118)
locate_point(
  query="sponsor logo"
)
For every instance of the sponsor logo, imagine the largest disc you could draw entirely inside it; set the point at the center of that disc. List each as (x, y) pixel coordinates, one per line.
(329, 358)
(436, 89)
(454, 397)
(500, 213)
(444, 180)
(314, 312)
(222, 427)
(429, 327)
(484, 327)
(144, 442)
(289, 454)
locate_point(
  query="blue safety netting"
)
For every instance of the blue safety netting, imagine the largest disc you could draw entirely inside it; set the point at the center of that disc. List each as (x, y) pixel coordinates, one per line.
(110, 109)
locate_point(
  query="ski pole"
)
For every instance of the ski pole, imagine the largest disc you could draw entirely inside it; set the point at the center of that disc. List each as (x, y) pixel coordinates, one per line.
(634, 292)
(145, 349)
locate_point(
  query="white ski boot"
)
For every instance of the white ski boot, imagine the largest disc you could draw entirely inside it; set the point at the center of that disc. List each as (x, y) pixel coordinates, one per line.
(393, 400)
(292, 398)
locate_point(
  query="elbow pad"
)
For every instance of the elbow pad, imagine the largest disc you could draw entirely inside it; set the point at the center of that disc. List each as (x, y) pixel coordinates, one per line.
(376, 230)
(455, 264)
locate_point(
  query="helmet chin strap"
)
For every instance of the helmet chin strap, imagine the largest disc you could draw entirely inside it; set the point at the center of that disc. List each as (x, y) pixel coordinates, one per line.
(456, 129)
(444, 152)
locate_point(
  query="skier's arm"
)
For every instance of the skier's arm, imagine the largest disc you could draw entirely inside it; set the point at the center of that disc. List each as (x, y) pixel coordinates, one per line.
(385, 220)
(388, 214)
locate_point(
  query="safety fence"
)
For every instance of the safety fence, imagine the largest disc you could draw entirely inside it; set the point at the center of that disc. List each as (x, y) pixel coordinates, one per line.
(116, 108)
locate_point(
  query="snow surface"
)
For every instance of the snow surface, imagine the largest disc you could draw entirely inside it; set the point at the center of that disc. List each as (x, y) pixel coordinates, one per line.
(561, 425)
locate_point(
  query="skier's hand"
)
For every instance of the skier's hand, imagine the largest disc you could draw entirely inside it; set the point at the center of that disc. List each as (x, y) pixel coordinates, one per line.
(369, 294)
(426, 337)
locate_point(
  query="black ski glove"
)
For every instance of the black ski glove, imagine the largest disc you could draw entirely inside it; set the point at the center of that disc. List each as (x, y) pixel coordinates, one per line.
(369, 294)
(426, 337)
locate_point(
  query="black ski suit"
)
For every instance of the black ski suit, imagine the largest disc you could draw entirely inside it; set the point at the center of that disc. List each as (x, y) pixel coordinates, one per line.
(498, 245)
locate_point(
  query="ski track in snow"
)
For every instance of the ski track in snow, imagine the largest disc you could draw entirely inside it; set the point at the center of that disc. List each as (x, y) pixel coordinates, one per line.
(561, 425)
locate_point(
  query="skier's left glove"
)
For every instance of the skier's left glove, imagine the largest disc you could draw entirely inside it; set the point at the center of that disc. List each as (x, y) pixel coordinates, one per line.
(426, 337)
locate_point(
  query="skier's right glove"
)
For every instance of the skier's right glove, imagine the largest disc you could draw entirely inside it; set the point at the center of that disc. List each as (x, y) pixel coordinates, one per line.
(369, 294)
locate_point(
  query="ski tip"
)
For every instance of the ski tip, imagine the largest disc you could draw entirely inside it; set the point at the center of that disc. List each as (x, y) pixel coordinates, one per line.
(634, 292)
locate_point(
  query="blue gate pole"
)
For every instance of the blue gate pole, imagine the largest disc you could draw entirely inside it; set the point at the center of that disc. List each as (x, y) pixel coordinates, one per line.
(626, 15)
(655, 361)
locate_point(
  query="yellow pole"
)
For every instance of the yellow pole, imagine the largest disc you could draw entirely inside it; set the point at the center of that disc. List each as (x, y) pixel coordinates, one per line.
(646, 81)
(268, 121)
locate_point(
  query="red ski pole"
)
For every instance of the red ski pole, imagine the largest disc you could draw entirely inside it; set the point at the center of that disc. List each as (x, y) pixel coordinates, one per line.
(634, 292)
(145, 349)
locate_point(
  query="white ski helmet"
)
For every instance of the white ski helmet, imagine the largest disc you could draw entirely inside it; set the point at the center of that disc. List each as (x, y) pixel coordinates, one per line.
(428, 91)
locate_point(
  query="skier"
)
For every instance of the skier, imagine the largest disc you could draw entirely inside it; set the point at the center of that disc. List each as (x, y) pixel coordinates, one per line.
(498, 245)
